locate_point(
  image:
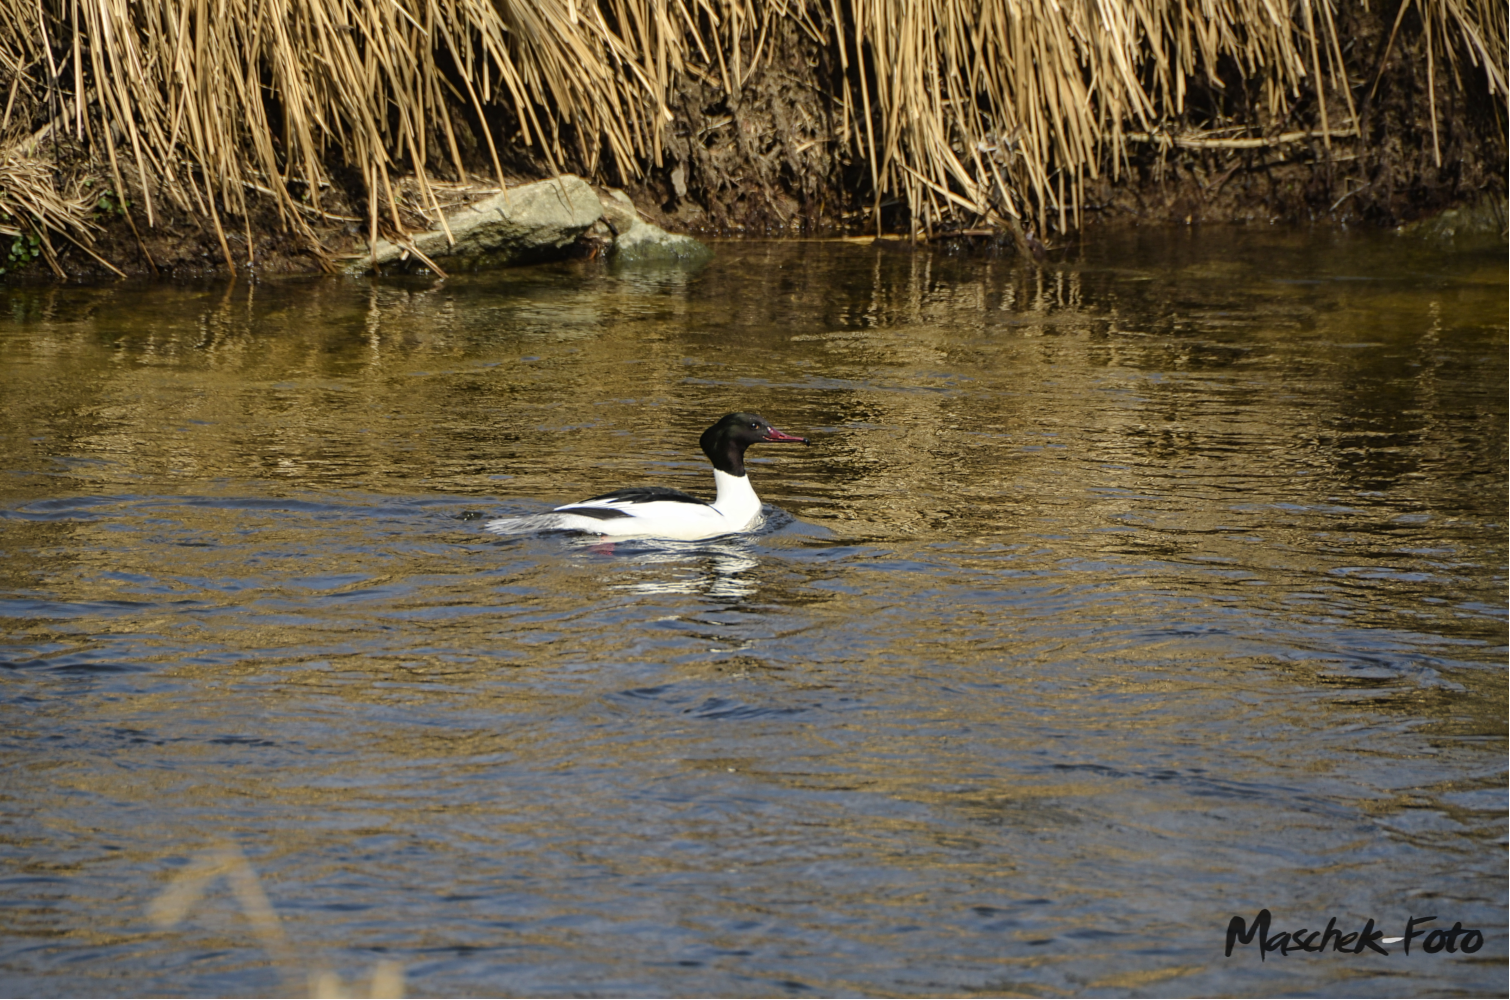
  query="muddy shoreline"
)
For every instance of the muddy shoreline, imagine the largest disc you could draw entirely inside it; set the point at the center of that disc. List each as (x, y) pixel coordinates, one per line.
(182, 250)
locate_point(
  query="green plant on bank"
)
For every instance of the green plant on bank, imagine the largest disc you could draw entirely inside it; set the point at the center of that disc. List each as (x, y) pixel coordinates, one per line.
(107, 202)
(110, 204)
(23, 250)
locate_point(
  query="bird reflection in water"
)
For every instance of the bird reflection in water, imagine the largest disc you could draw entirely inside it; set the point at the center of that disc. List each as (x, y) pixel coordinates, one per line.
(719, 569)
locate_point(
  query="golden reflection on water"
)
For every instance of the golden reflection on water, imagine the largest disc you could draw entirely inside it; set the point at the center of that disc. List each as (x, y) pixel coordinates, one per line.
(1113, 598)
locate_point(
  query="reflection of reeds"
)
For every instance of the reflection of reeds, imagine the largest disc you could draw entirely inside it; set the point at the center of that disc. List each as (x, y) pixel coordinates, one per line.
(995, 110)
(189, 886)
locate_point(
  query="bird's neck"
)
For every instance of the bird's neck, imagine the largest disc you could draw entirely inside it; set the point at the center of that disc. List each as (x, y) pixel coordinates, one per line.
(736, 497)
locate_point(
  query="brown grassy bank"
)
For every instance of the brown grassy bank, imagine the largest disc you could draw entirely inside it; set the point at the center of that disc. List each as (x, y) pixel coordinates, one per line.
(192, 135)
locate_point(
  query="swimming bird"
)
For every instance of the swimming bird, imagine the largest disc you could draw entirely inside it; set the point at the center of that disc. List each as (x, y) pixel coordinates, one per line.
(659, 512)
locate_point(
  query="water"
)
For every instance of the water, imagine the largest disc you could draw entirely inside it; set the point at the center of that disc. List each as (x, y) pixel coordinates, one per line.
(1114, 599)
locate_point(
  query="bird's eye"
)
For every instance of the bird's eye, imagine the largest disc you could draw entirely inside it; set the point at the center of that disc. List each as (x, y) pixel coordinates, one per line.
(755, 425)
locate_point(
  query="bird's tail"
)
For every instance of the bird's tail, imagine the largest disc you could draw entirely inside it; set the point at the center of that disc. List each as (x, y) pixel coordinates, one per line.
(525, 525)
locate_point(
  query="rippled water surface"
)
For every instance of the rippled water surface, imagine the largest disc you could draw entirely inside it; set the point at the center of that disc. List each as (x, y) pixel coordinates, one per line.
(1115, 598)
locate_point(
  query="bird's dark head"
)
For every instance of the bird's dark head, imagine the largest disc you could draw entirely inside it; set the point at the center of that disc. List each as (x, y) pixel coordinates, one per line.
(725, 442)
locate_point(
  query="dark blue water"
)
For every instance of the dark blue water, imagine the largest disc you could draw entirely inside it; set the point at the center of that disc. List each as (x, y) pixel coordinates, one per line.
(1159, 585)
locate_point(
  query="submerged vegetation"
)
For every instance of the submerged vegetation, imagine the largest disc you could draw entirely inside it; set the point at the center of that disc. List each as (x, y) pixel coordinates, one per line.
(327, 120)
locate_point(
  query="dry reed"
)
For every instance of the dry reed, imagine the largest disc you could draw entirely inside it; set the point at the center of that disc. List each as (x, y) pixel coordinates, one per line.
(999, 110)
(33, 210)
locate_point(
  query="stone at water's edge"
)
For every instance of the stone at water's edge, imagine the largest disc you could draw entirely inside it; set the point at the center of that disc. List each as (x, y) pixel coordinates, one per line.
(618, 211)
(525, 223)
(645, 243)
(639, 242)
(538, 222)
(1481, 224)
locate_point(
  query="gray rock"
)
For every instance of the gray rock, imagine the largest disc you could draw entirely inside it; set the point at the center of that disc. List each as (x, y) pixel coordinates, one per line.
(526, 223)
(1481, 224)
(646, 243)
(618, 211)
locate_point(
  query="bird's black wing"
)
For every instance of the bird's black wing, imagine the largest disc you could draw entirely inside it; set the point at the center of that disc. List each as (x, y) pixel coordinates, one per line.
(640, 494)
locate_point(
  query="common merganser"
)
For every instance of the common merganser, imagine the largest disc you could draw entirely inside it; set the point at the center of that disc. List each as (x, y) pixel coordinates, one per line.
(658, 512)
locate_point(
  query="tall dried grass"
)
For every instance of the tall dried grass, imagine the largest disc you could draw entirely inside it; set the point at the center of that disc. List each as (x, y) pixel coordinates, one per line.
(206, 100)
(1000, 109)
(992, 111)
